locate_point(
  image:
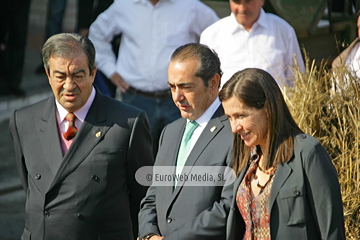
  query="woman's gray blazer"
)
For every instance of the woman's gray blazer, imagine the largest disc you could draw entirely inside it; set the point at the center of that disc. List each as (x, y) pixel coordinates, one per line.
(305, 198)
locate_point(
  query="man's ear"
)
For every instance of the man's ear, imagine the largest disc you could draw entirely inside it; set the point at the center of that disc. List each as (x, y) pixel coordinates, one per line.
(214, 83)
(47, 73)
(93, 74)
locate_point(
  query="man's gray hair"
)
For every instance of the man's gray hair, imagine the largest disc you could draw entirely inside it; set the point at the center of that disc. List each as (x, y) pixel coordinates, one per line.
(68, 45)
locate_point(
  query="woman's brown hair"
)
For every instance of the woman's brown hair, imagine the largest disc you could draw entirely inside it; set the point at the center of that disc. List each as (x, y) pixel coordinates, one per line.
(257, 88)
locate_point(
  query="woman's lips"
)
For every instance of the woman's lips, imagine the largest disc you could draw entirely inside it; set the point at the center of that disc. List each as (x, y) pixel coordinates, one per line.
(243, 136)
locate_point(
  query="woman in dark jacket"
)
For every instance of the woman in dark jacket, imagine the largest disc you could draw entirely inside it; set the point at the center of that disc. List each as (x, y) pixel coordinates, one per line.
(286, 186)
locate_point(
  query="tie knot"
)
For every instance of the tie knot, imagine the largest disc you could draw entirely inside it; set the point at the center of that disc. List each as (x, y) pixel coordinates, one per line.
(70, 117)
(192, 124)
(190, 128)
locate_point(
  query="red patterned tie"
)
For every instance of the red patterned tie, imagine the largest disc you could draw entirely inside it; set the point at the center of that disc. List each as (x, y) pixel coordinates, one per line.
(72, 130)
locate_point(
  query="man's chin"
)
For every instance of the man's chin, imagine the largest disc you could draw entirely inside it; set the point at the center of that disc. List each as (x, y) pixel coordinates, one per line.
(185, 114)
(70, 106)
(189, 116)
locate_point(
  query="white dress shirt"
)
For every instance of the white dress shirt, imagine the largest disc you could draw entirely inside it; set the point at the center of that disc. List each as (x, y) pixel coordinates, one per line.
(150, 34)
(270, 45)
(352, 61)
(203, 121)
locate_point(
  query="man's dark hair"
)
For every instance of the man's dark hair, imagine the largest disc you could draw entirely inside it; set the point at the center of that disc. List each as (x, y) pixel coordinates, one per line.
(209, 62)
(68, 44)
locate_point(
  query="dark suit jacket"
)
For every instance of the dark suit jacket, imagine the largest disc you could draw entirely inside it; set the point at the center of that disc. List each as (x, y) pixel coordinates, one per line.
(91, 192)
(305, 199)
(190, 212)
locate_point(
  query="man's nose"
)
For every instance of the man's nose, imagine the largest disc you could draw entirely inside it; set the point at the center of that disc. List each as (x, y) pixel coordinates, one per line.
(69, 84)
(241, 7)
(177, 95)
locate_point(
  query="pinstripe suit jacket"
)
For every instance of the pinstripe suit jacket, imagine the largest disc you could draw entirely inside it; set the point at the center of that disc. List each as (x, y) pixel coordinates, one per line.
(93, 193)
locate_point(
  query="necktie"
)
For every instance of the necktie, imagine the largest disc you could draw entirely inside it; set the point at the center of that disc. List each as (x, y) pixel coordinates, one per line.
(72, 130)
(185, 147)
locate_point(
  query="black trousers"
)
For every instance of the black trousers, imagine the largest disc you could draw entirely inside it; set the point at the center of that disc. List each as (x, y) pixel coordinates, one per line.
(13, 34)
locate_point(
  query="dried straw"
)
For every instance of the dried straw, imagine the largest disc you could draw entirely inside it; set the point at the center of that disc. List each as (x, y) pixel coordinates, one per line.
(326, 104)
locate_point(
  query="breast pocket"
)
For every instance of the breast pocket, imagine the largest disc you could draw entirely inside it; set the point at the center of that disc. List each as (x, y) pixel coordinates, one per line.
(293, 205)
(106, 154)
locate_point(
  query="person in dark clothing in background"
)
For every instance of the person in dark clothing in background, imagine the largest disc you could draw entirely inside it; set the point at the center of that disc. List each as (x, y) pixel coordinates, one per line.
(14, 15)
(88, 10)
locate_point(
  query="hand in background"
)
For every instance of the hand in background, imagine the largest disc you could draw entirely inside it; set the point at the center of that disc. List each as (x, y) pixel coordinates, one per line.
(119, 82)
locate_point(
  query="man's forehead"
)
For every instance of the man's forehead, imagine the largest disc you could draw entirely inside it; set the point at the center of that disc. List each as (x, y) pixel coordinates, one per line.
(74, 63)
(181, 60)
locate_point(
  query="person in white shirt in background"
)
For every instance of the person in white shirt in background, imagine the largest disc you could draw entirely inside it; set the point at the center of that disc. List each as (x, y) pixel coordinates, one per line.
(251, 38)
(151, 31)
(350, 57)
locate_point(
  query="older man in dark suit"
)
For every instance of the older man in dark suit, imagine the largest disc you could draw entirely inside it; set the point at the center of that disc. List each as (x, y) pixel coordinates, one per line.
(77, 152)
(191, 212)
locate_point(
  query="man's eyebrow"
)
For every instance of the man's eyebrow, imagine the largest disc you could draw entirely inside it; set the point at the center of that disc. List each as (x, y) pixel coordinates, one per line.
(180, 84)
(185, 84)
(75, 72)
(79, 71)
(59, 72)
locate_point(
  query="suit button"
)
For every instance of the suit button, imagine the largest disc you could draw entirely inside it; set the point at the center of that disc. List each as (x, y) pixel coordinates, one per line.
(296, 192)
(80, 216)
(95, 178)
(169, 220)
(47, 214)
(37, 176)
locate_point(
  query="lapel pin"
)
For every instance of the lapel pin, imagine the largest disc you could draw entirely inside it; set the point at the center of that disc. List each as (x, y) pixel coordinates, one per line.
(98, 134)
(213, 129)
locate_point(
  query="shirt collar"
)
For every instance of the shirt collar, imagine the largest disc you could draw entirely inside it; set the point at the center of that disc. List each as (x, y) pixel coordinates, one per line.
(262, 21)
(81, 113)
(209, 112)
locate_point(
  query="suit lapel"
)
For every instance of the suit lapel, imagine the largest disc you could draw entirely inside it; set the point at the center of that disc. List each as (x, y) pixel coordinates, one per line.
(91, 132)
(47, 130)
(176, 132)
(282, 173)
(213, 127)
